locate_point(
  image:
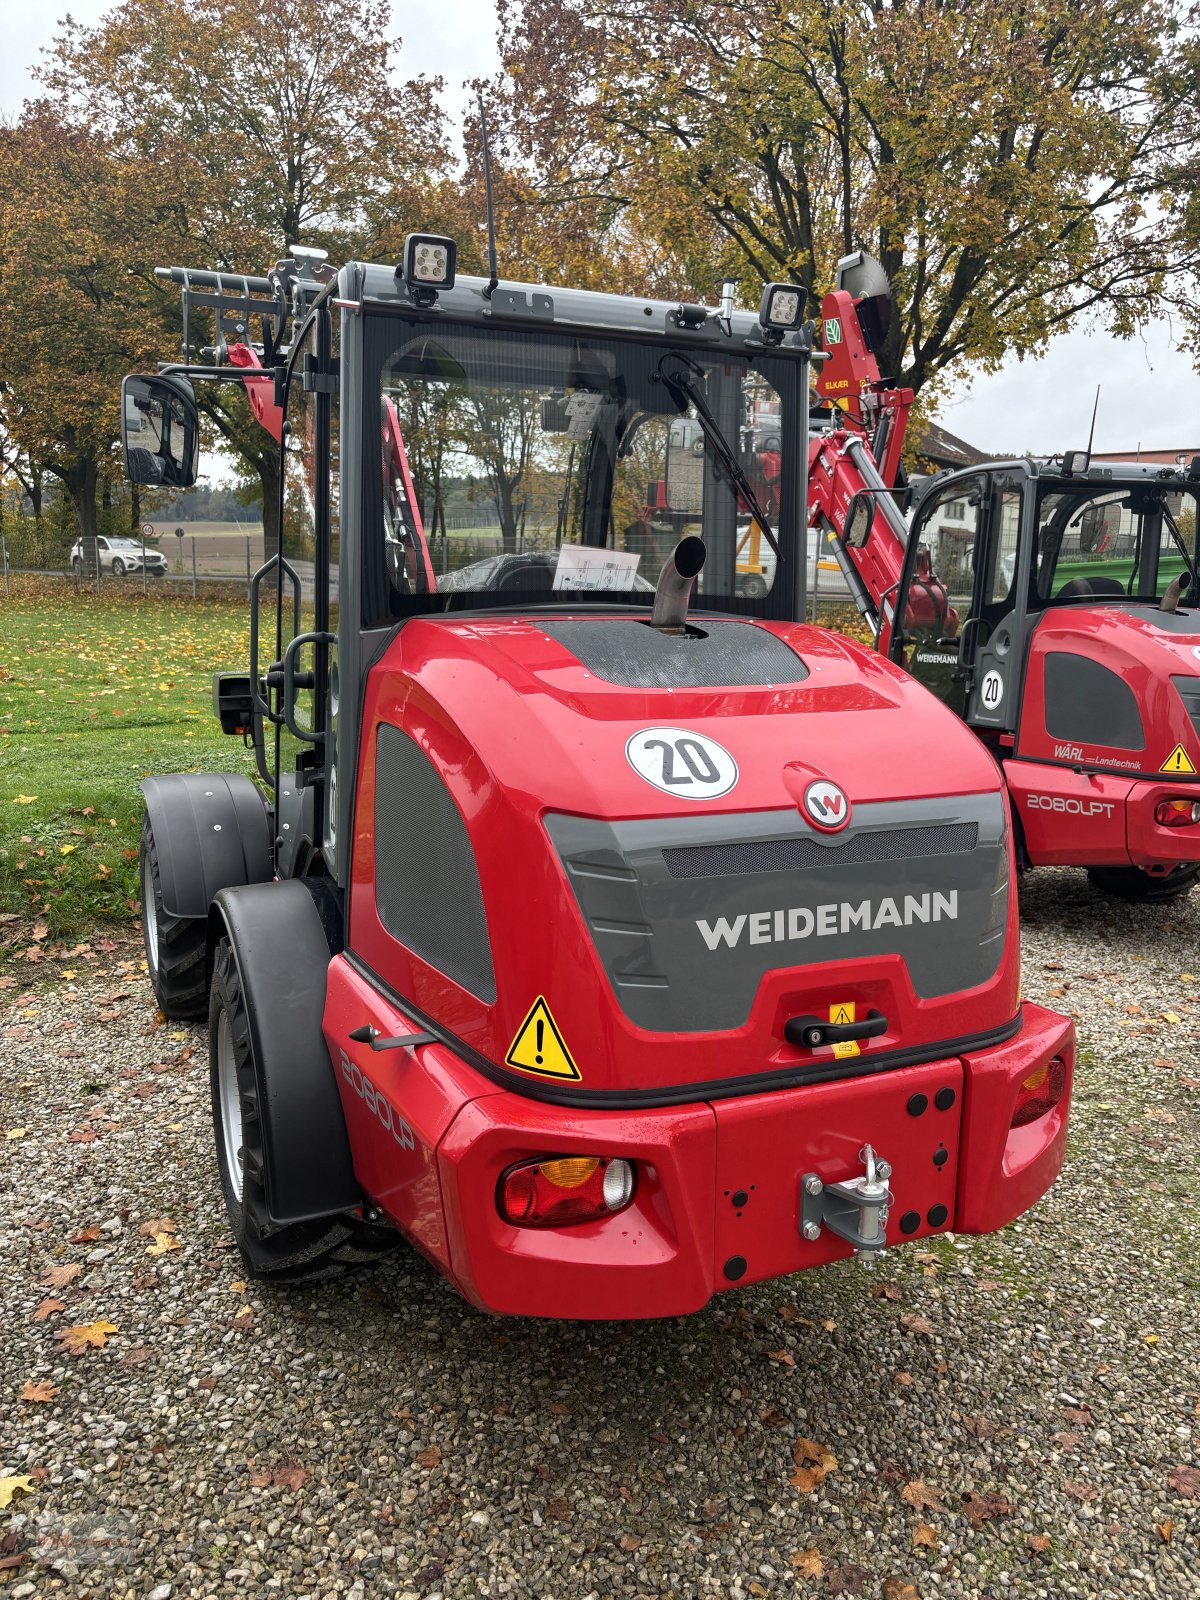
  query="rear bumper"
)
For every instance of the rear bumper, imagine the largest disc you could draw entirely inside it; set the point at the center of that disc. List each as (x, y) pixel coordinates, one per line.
(718, 1197)
(1073, 818)
(1150, 844)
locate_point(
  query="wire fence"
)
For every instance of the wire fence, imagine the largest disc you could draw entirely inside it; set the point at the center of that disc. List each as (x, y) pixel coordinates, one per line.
(221, 566)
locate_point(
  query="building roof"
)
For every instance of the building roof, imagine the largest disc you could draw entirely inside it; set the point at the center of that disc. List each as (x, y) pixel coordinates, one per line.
(942, 448)
(1180, 457)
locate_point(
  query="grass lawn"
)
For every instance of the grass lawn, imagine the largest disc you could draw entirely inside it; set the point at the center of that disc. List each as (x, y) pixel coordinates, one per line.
(96, 692)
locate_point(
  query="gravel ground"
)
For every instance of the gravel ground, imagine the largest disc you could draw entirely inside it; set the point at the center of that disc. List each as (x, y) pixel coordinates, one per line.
(1009, 1415)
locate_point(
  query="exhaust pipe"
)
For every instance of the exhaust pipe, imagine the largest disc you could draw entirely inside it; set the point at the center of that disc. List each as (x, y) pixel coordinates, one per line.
(675, 584)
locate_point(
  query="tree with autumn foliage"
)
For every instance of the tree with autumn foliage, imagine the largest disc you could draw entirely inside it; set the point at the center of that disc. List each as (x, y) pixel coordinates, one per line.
(80, 231)
(296, 133)
(1002, 160)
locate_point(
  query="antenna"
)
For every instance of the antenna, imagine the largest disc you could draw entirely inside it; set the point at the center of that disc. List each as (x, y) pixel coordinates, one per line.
(1092, 430)
(487, 184)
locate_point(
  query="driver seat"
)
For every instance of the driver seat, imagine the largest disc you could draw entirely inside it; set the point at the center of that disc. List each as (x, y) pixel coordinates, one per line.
(1090, 588)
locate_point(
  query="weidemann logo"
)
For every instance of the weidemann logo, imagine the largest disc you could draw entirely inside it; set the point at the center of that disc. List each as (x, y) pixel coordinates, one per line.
(798, 922)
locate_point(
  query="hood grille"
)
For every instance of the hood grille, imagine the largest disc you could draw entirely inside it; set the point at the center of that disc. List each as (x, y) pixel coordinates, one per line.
(794, 855)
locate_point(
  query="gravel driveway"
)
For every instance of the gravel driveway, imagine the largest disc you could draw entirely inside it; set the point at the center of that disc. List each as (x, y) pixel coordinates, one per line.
(1007, 1416)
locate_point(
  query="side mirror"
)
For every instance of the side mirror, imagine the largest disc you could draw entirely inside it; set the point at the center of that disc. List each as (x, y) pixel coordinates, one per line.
(860, 518)
(160, 430)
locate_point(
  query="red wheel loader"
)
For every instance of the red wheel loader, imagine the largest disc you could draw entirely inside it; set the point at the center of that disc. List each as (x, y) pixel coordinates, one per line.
(593, 927)
(1053, 605)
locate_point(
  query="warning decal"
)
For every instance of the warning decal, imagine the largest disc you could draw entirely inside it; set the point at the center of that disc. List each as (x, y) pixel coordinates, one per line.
(1179, 761)
(539, 1047)
(840, 1014)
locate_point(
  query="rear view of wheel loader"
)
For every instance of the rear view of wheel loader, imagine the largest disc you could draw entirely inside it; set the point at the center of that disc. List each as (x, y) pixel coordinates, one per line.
(598, 930)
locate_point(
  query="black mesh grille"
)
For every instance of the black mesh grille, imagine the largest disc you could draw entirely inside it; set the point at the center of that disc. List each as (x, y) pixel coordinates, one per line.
(715, 655)
(791, 855)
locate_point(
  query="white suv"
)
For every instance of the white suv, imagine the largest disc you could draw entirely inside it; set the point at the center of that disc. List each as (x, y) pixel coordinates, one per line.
(120, 556)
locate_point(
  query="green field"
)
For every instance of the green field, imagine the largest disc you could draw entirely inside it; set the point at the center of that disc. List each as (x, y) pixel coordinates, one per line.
(95, 693)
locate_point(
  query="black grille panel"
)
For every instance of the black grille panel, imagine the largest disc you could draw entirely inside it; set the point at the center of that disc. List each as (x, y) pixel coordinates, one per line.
(719, 655)
(793, 855)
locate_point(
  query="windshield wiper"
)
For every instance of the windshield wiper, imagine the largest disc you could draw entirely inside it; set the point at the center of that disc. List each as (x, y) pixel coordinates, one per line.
(684, 389)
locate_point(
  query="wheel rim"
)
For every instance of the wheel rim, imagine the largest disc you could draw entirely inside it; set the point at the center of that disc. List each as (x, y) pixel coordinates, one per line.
(150, 912)
(230, 1102)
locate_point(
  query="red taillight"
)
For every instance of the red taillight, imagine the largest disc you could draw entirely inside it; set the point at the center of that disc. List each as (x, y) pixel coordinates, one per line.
(1040, 1092)
(1177, 813)
(554, 1190)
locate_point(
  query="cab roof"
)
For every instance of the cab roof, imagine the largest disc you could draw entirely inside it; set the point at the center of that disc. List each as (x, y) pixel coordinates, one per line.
(549, 307)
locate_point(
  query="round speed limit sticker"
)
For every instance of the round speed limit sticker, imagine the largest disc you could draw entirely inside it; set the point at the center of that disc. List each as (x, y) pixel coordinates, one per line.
(991, 690)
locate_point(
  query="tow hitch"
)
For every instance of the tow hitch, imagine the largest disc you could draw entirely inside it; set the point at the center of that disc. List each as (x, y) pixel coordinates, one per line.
(855, 1209)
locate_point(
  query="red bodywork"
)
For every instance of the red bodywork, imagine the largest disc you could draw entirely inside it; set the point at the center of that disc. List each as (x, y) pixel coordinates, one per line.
(1102, 818)
(518, 728)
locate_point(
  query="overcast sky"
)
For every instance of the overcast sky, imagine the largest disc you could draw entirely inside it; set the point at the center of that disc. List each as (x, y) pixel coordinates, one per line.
(1150, 391)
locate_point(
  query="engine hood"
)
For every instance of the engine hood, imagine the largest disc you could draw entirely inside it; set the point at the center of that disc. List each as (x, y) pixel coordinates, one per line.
(676, 844)
(550, 706)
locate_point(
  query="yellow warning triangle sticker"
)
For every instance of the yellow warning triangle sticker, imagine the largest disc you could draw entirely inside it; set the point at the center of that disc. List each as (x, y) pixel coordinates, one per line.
(540, 1048)
(1179, 761)
(840, 1014)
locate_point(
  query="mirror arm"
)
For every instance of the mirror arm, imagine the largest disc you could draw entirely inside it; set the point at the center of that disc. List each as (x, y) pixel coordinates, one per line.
(179, 369)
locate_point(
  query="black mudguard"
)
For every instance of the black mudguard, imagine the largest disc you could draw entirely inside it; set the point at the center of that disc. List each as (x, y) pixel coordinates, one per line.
(284, 936)
(211, 832)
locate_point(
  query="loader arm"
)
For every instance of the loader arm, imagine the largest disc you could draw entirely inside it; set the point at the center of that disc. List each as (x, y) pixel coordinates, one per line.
(871, 553)
(260, 394)
(862, 455)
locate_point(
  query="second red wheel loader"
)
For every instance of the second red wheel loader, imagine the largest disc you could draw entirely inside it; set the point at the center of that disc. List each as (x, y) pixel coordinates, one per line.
(611, 952)
(1053, 605)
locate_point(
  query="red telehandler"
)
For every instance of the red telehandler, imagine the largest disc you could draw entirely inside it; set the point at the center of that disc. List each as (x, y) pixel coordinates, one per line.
(610, 953)
(1051, 604)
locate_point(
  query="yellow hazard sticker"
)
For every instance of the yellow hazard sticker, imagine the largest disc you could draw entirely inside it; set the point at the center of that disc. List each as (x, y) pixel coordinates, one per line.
(839, 1015)
(1179, 761)
(540, 1048)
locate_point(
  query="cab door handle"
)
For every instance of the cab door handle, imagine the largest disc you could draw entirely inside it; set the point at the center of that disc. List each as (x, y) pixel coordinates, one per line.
(812, 1032)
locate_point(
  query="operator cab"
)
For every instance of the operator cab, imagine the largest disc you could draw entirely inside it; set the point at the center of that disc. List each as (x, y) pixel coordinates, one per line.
(991, 552)
(451, 445)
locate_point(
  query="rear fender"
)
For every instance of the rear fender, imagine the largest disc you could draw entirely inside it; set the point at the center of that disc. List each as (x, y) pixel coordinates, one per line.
(284, 936)
(211, 832)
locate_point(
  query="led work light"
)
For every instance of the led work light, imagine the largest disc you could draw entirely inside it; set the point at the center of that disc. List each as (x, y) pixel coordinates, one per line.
(428, 265)
(782, 309)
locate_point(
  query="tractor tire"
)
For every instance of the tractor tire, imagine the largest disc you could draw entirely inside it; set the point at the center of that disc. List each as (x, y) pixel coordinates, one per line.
(1131, 883)
(754, 586)
(300, 1252)
(175, 946)
(118, 567)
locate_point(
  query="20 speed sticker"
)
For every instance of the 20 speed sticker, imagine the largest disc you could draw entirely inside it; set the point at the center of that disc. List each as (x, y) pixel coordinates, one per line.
(681, 762)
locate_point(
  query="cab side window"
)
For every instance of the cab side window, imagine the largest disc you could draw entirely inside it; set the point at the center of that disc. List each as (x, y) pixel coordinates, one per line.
(1006, 534)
